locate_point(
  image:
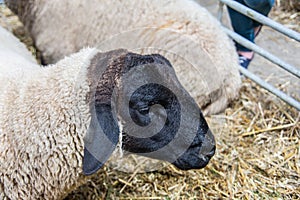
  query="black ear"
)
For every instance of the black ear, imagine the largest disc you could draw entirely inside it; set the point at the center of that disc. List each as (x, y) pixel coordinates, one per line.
(103, 134)
(101, 140)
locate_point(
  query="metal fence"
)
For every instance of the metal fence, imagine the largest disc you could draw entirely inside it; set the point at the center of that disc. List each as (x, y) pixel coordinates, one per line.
(276, 26)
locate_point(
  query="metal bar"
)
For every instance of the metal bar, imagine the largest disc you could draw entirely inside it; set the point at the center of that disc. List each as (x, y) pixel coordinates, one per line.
(262, 19)
(266, 21)
(293, 70)
(220, 11)
(291, 101)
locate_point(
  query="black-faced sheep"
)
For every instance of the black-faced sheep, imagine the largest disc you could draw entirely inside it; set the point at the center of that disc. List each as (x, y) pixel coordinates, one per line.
(174, 27)
(61, 122)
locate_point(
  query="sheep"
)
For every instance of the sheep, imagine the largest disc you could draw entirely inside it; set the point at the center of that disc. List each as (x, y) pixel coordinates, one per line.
(61, 122)
(181, 30)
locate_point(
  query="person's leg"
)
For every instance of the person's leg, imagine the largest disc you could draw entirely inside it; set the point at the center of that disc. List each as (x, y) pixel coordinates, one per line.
(242, 25)
(261, 6)
(247, 27)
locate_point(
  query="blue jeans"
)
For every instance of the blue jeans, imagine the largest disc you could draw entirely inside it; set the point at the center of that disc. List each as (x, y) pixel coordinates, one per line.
(243, 25)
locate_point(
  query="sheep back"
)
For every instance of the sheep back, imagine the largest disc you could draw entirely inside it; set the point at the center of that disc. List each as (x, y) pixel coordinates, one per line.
(184, 32)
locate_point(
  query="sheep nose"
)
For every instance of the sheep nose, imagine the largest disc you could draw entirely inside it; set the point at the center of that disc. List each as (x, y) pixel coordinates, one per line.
(208, 147)
(212, 152)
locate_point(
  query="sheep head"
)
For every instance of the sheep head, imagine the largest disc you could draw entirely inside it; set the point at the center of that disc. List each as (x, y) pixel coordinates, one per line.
(139, 98)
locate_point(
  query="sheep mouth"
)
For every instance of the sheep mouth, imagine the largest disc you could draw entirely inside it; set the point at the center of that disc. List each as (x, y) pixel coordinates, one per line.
(198, 155)
(194, 161)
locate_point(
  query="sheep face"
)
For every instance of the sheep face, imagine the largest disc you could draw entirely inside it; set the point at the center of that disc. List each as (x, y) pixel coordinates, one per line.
(157, 116)
(153, 104)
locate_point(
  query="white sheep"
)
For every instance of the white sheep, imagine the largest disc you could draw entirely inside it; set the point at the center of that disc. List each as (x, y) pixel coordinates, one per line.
(184, 32)
(57, 123)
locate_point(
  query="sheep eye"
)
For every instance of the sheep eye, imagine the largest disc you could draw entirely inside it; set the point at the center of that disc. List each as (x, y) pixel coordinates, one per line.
(144, 110)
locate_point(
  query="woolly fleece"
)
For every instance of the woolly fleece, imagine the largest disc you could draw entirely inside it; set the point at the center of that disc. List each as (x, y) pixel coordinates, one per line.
(181, 30)
(50, 127)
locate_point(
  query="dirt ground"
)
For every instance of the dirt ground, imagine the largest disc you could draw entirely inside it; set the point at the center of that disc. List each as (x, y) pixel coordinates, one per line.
(258, 139)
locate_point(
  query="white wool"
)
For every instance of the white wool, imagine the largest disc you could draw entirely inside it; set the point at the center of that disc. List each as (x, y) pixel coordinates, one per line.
(181, 30)
(43, 119)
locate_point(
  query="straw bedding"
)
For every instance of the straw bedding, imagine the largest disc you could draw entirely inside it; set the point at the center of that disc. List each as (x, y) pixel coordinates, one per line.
(258, 154)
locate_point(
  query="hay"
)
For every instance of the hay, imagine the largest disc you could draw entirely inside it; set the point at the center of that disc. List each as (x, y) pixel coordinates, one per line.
(258, 155)
(287, 12)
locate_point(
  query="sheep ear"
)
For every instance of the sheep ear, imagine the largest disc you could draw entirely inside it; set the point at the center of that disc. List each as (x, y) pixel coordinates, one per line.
(101, 139)
(103, 133)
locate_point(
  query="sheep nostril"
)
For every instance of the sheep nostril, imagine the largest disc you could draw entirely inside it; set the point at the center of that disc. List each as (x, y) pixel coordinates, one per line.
(212, 152)
(208, 155)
